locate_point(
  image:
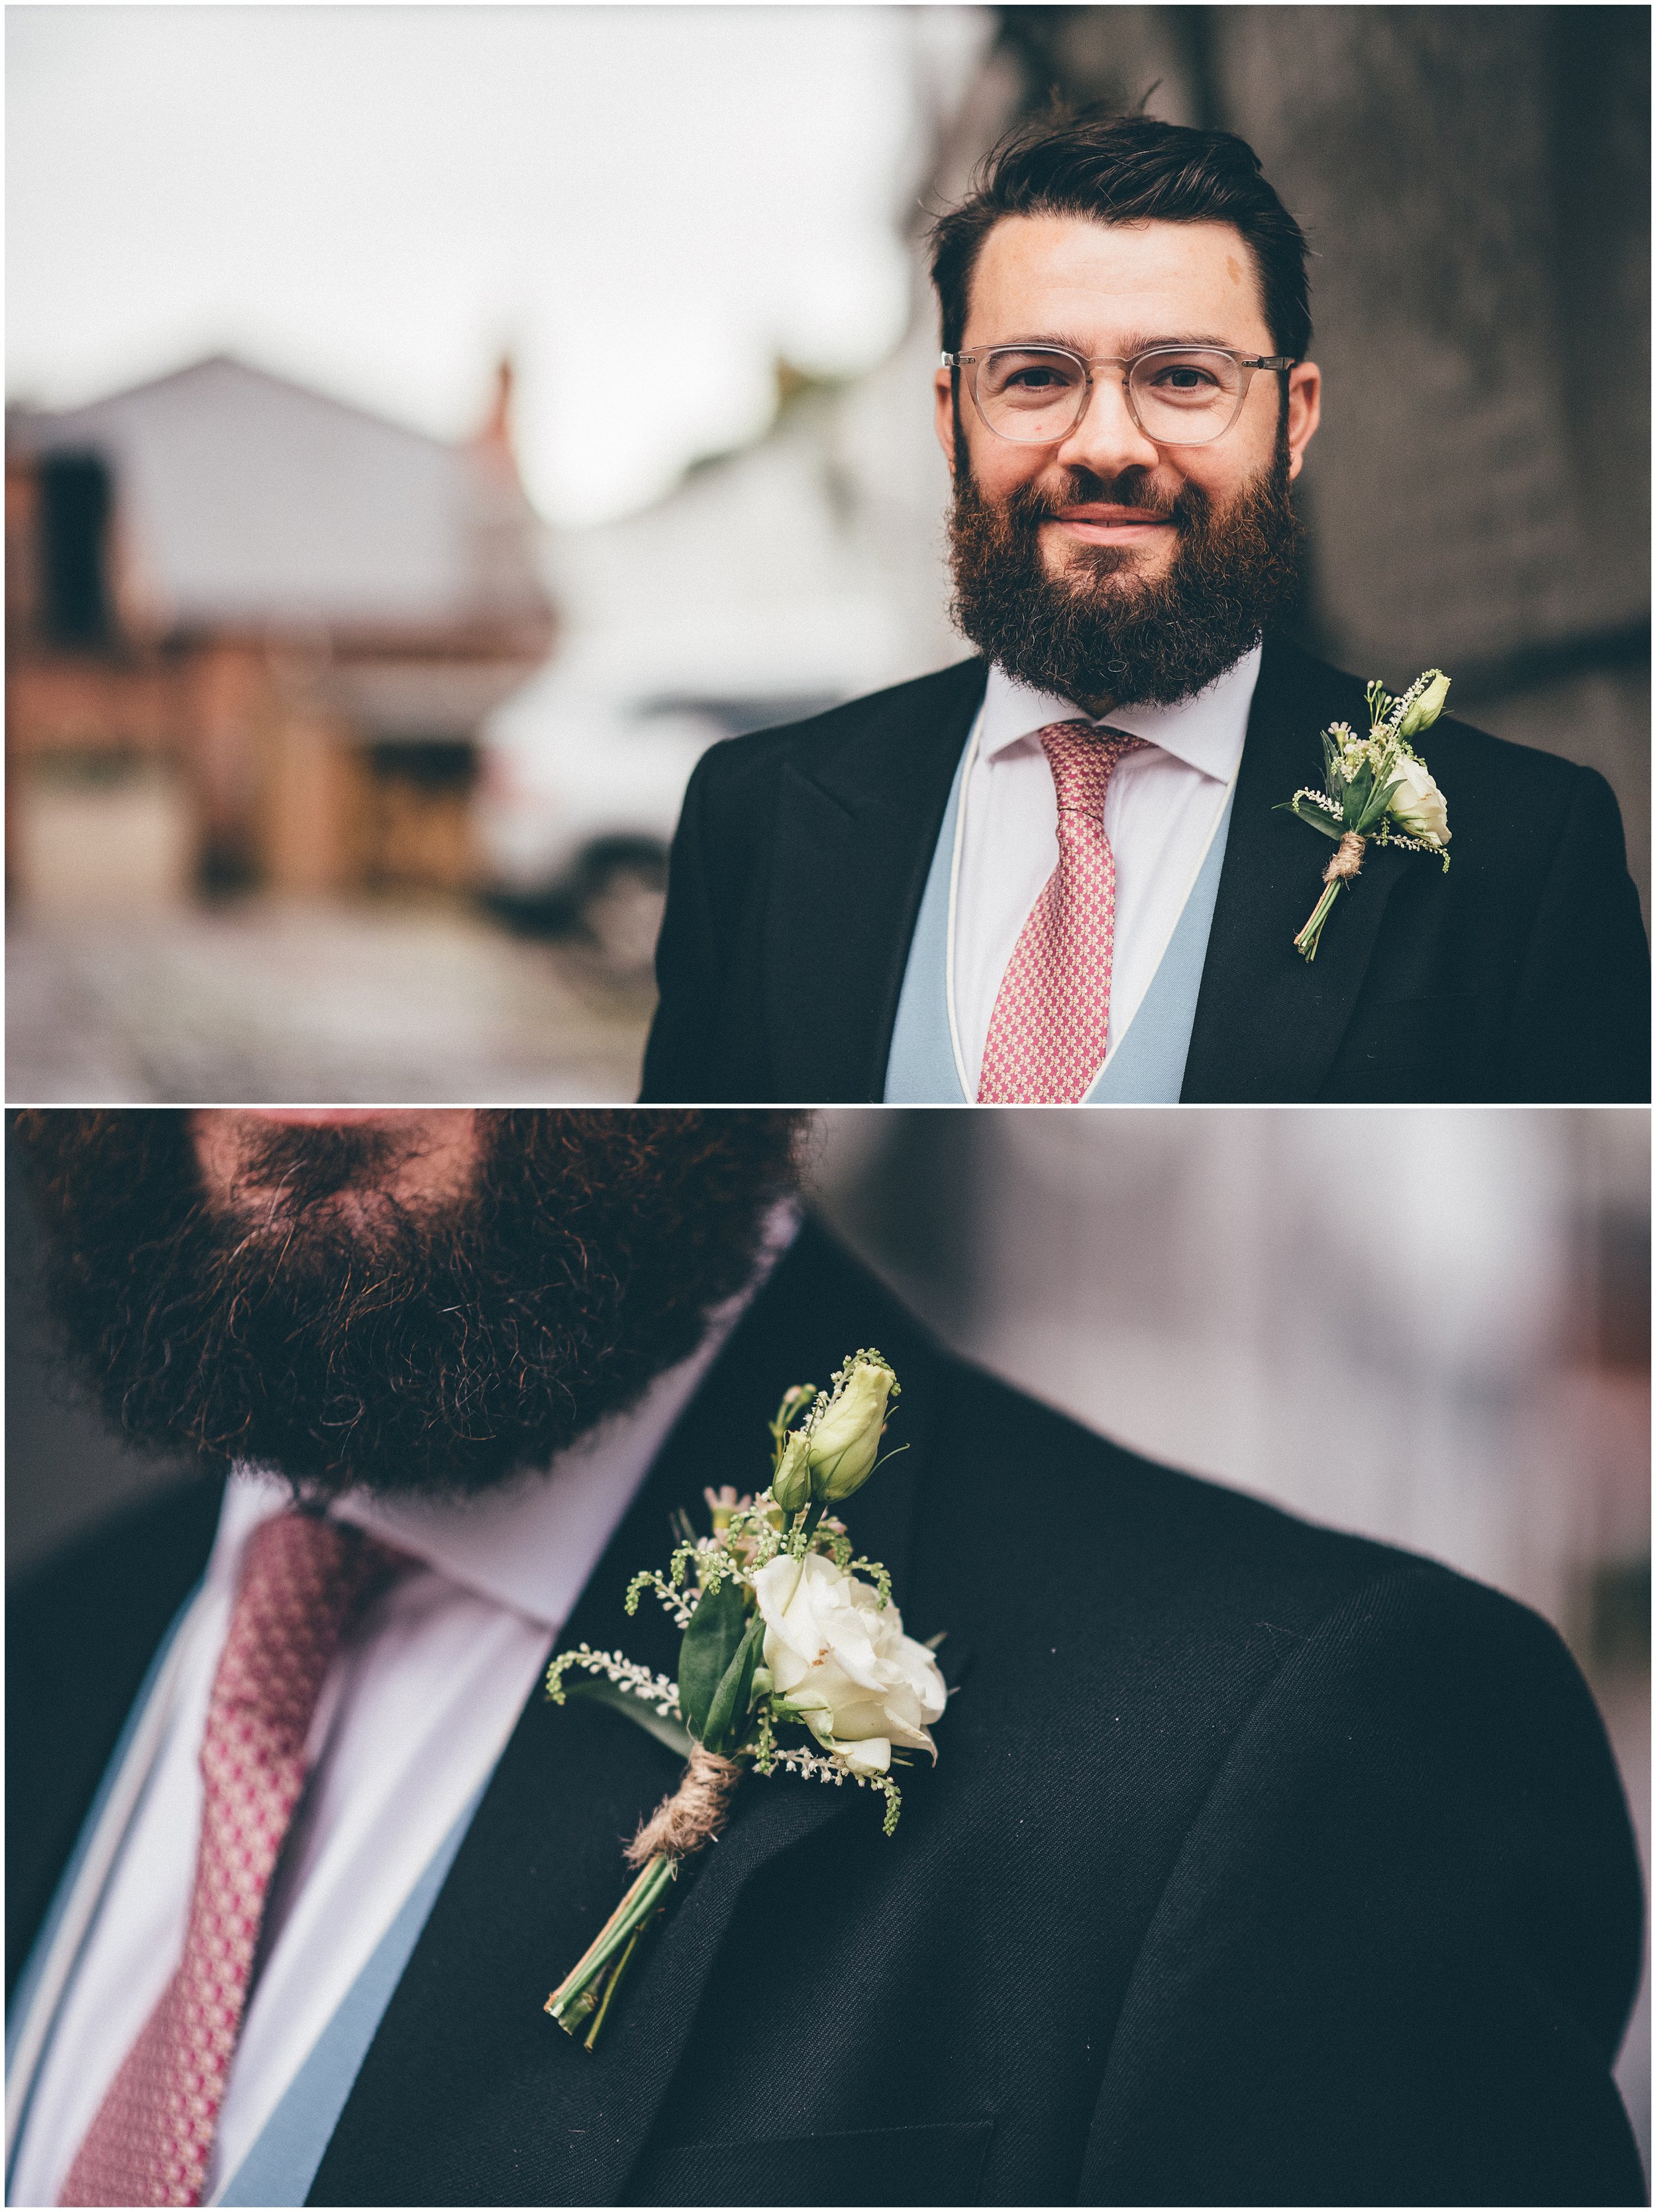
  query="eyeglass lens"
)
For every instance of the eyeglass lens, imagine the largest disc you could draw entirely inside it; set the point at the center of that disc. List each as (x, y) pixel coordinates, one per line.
(1178, 398)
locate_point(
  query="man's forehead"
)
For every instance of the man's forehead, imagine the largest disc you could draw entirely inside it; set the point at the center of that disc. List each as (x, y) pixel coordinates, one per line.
(1141, 281)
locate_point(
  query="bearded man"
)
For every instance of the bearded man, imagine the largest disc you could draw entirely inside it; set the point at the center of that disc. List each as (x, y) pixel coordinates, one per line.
(1061, 872)
(1259, 1863)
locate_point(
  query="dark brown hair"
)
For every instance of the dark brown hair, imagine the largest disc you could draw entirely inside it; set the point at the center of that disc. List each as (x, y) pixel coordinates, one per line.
(1111, 167)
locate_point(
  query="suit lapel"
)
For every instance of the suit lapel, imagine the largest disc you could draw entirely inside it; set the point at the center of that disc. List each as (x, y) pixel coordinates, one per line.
(1269, 1024)
(854, 836)
(469, 2094)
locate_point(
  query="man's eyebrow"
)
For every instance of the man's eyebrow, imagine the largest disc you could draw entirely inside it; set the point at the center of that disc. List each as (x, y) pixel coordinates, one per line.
(1133, 342)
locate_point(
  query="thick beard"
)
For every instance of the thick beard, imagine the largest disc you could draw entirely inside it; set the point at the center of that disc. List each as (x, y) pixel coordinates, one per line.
(347, 1340)
(1094, 634)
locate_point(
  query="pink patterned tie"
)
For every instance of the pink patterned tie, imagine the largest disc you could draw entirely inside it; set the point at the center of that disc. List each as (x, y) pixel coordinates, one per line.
(1051, 1018)
(303, 1581)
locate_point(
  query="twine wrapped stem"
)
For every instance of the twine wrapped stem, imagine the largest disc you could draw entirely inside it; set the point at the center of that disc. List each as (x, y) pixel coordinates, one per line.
(1347, 862)
(684, 1822)
(693, 1815)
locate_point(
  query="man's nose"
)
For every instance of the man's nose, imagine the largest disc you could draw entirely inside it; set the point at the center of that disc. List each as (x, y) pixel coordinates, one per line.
(1107, 440)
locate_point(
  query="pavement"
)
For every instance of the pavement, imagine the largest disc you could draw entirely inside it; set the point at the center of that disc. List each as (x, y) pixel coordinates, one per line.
(261, 1003)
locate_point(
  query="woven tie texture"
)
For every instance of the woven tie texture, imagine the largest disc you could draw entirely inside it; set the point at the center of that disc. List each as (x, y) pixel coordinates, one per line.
(1051, 1019)
(304, 1580)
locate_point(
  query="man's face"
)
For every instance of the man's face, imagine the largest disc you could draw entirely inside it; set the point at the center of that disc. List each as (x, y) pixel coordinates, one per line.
(392, 1301)
(1112, 290)
(1106, 523)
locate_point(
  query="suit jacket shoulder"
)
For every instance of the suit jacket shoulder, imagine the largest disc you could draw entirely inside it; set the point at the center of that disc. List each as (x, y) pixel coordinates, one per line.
(887, 717)
(1534, 778)
(796, 873)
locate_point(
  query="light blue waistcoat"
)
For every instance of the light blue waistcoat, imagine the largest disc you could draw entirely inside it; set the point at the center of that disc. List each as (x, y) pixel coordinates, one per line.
(281, 2165)
(1146, 1069)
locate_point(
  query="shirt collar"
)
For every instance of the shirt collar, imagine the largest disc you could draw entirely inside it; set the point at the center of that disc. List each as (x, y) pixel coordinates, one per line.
(1205, 732)
(530, 1548)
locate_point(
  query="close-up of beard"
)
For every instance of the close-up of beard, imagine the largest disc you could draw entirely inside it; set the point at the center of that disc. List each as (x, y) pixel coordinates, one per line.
(1095, 635)
(311, 1320)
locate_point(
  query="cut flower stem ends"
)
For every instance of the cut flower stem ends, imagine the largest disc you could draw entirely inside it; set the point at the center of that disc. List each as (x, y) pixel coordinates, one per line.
(587, 1989)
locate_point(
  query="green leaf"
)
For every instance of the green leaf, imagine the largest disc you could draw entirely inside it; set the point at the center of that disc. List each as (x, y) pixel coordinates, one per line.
(715, 1631)
(603, 1692)
(1380, 800)
(1312, 817)
(727, 1719)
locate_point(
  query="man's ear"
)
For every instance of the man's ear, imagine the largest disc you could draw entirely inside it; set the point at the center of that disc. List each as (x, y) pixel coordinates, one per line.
(943, 418)
(1304, 410)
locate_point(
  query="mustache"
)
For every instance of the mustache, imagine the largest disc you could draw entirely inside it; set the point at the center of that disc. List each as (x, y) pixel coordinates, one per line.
(1027, 506)
(297, 1168)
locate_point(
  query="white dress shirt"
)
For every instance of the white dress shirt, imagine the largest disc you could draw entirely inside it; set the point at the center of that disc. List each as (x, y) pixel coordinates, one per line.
(416, 1711)
(1164, 804)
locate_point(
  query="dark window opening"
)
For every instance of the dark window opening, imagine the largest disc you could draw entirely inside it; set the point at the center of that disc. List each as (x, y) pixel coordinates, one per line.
(74, 503)
(438, 763)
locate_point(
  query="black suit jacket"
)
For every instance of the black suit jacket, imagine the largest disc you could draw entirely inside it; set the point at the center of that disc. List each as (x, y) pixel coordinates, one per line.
(1260, 1865)
(1522, 975)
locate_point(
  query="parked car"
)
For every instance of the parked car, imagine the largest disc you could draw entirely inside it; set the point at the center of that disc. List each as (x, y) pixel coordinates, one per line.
(578, 800)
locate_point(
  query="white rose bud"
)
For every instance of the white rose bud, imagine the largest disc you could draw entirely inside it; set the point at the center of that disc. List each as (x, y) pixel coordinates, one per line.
(1417, 806)
(845, 1441)
(1426, 709)
(841, 1660)
(791, 1485)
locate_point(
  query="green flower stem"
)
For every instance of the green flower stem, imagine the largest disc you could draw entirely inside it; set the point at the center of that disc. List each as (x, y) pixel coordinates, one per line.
(611, 1983)
(1307, 940)
(591, 1983)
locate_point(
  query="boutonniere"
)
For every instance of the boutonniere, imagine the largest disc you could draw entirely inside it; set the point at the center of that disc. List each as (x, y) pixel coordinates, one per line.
(794, 1660)
(1376, 789)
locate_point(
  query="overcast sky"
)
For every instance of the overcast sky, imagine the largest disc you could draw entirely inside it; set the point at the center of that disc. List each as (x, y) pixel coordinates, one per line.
(642, 204)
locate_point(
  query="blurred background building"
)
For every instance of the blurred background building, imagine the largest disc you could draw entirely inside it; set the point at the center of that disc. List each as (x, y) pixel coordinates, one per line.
(1461, 1366)
(1474, 184)
(251, 636)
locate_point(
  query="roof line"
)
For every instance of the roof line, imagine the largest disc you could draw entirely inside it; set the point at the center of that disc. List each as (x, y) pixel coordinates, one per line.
(225, 358)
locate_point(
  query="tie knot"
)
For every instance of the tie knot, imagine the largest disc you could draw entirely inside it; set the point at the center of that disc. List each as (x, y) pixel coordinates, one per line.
(304, 1580)
(304, 1562)
(1082, 756)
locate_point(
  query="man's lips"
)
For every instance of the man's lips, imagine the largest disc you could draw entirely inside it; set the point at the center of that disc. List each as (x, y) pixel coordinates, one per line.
(1096, 525)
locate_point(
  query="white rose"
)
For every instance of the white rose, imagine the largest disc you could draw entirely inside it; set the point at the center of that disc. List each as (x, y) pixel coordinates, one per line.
(841, 1658)
(1417, 806)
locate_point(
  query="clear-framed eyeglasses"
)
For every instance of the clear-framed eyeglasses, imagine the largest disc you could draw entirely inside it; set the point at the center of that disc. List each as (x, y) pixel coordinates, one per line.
(1178, 395)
